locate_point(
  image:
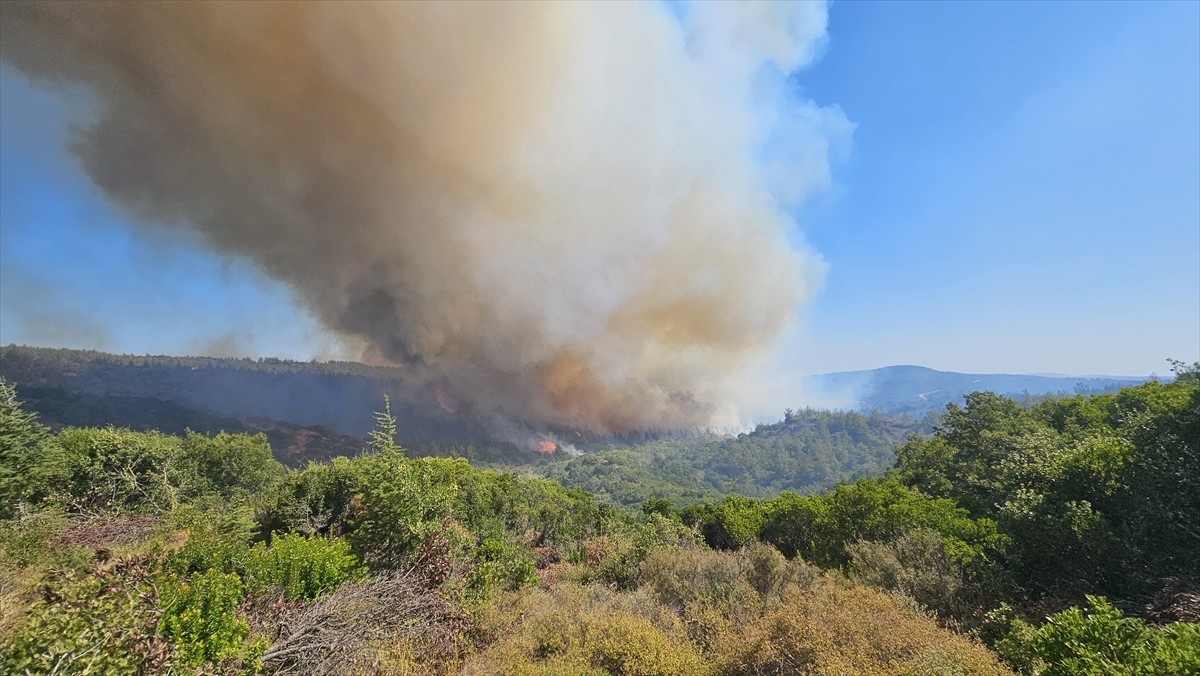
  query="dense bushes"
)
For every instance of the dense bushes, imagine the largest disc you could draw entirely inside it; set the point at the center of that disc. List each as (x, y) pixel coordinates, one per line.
(1097, 641)
(578, 630)
(835, 630)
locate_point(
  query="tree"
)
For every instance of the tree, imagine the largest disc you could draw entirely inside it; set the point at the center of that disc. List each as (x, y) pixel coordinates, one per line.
(30, 461)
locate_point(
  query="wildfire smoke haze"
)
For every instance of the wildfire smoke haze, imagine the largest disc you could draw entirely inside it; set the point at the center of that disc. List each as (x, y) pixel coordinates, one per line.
(564, 214)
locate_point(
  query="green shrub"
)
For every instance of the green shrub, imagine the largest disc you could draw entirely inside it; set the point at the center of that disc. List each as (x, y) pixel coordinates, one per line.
(1099, 640)
(402, 502)
(30, 460)
(916, 565)
(618, 560)
(215, 539)
(199, 618)
(90, 623)
(500, 564)
(109, 469)
(229, 464)
(26, 538)
(303, 568)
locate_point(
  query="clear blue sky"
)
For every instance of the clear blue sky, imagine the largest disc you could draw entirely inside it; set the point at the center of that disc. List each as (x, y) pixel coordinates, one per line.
(1022, 194)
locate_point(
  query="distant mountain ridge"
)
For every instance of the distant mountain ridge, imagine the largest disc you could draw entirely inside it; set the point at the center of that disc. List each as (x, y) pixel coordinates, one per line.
(334, 400)
(919, 389)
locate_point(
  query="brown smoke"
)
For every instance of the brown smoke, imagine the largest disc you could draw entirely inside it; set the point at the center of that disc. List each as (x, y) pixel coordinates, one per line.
(552, 212)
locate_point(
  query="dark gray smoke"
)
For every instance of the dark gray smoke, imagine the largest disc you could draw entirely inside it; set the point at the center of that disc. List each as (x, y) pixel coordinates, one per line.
(561, 213)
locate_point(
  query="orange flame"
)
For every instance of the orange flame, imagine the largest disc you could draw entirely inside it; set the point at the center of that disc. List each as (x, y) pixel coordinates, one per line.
(546, 446)
(444, 402)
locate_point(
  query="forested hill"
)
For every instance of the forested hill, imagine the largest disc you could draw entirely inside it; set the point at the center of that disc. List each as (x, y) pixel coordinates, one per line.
(338, 395)
(316, 411)
(917, 390)
(808, 451)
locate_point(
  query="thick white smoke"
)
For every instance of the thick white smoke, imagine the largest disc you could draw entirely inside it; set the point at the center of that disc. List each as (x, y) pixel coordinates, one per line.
(562, 213)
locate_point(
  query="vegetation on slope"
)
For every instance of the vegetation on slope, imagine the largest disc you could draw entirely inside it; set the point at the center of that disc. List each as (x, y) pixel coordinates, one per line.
(140, 552)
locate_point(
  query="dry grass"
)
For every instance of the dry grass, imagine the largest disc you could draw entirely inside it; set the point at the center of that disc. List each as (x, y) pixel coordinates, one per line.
(833, 629)
(572, 629)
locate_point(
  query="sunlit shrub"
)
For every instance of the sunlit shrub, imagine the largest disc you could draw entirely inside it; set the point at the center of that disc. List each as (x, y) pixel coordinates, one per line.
(916, 565)
(102, 622)
(26, 538)
(1099, 640)
(109, 469)
(500, 564)
(402, 503)
(302, 567)
(199, 618)
(833, 629)
(577, 630)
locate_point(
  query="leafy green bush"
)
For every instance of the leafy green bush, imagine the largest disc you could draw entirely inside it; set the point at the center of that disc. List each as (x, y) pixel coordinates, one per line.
(316, 499)
(115, 470)
(229, 464)
(30, 460)
(402, 502)
(1098, 641)
(500, 564)
(199, 618)
(619, 559)
(25, 539)
(303, 568)
(214, 538)
(90, 623)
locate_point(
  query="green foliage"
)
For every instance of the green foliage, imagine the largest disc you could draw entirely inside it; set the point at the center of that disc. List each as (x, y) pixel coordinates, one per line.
(303, 567)
(109, 469)
(819, 527)
(90, 623)
(808, 451)
(1093, 494)
(500, 564)
(915, 565)
(619, 562)
(119, 470)
(314, 500)
(199, 618)
(731, 523)
(26, 539)
(230, 464)
(30, 462)
(402, 502)
(1098, 641)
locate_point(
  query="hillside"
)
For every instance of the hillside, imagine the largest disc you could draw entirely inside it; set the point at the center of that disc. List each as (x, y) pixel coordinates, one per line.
(1053, 539)
(315, 411)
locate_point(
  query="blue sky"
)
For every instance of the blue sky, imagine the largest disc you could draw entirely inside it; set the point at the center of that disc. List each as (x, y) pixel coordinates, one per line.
(1022, 194)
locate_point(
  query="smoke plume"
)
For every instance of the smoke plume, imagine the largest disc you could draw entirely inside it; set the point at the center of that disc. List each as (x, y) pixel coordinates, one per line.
(563, 213)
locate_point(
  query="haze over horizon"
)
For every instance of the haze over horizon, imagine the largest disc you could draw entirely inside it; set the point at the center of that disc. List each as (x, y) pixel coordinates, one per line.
(995, 188)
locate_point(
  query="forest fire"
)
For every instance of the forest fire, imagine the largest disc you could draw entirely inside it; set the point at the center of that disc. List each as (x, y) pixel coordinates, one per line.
(444, 402)
(547, 446)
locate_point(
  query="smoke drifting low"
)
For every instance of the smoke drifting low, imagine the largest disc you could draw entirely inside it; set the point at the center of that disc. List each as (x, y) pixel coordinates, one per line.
(559, 213)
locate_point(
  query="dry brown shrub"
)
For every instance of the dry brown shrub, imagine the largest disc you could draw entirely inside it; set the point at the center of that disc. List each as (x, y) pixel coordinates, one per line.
(18, 589)
(833, 629)
(572, 629)
(714, 592)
